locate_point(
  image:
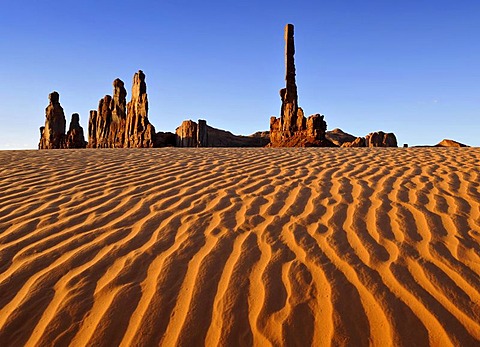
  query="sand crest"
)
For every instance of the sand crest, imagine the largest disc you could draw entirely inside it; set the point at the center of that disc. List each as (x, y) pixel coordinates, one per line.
(191, 247)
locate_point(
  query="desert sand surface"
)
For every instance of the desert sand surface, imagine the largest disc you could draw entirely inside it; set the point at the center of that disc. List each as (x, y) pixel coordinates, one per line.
(192, 247)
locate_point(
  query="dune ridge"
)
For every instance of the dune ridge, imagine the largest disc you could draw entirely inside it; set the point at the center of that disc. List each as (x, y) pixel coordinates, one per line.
(292, 246)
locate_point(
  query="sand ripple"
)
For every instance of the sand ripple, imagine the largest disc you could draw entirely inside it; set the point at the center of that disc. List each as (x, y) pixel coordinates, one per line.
(230, 247)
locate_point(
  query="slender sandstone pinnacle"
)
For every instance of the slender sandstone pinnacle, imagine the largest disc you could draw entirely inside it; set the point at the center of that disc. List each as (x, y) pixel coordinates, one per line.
(289, 96)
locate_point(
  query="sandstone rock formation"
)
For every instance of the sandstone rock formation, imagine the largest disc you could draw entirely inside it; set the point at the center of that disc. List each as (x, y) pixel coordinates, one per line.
(292, 129)
(52, 135)
(381, 139)
(118, 125)
(192, 134)
(75, 138)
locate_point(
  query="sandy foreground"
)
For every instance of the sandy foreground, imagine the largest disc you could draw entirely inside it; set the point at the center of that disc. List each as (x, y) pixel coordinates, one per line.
(192, 247)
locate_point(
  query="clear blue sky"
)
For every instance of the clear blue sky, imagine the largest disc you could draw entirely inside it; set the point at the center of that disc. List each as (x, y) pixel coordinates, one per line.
(410, 67)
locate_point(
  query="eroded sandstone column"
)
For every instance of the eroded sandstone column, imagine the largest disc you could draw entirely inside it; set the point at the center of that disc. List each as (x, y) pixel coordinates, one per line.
(139, 131)
(52, 136)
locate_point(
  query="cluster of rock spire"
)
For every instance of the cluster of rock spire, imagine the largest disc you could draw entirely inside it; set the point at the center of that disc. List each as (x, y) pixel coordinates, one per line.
(116, 124)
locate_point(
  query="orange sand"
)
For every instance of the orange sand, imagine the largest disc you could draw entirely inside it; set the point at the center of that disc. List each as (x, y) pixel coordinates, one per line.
(228, 247)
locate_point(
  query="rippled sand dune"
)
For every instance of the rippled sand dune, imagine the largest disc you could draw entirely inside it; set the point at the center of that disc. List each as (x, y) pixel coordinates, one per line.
(192, 247)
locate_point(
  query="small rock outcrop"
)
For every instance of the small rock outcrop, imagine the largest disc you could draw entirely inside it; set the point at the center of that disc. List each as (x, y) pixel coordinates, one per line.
(193, 134)
(450, 143)
(75, 137)
(292, 129)
(52, 135)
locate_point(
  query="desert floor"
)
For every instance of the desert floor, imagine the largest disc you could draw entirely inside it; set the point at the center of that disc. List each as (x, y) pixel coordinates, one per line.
(228, 247)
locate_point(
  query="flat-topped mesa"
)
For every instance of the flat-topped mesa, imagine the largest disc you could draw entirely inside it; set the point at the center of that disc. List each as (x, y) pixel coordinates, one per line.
(75, 138)
(292, 129)
(139, 131)
(52, 135)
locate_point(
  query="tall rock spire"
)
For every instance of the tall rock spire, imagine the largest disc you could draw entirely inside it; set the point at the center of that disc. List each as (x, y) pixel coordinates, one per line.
(289, 94)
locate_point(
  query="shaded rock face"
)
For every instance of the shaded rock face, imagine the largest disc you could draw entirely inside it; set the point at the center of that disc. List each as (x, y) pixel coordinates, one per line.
(292, 129)
(52, 135)
(192, 134)
(75, 138)
(118, 125)
(339, 137)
